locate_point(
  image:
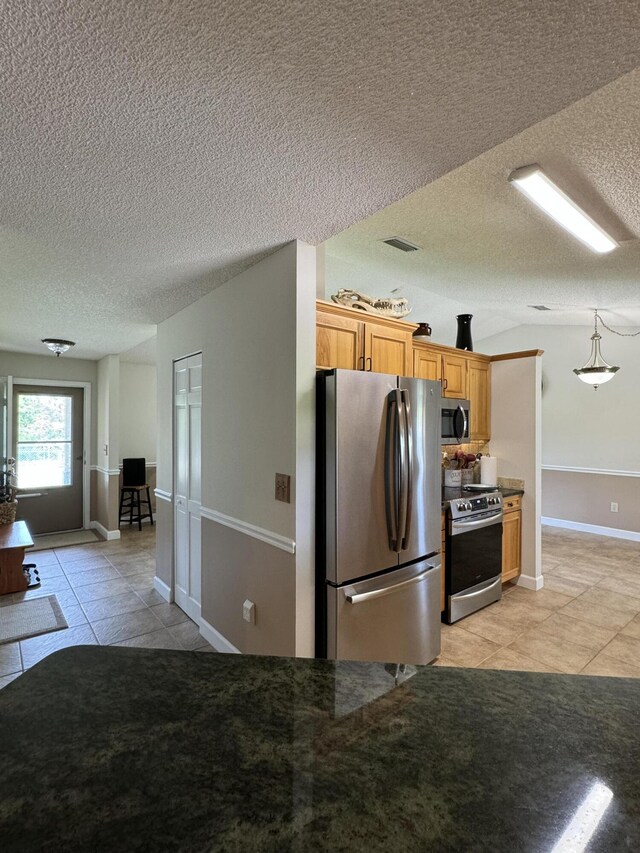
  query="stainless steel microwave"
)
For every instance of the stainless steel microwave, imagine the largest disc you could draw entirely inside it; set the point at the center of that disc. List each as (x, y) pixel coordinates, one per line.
(454, 421)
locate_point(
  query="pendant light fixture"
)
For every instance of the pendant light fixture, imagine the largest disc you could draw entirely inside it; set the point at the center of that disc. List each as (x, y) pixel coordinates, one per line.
(596, 371)
(57, 345)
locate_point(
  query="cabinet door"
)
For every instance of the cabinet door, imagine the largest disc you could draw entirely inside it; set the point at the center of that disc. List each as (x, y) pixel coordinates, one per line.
(426, 364)
(388, 350)
(479, 388)
(454, 374)
(339, 342)
(511, 535)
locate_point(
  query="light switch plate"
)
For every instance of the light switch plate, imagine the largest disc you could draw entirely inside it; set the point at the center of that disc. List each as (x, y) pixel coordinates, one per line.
(283, 488)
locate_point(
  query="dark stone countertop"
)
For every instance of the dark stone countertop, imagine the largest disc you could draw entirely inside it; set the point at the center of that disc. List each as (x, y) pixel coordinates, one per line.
(452, 494)
(115, 749)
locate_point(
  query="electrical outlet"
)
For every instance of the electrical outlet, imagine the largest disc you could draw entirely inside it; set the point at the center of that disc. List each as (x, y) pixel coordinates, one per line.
(249, 612)
(283, 488)
(614, 506)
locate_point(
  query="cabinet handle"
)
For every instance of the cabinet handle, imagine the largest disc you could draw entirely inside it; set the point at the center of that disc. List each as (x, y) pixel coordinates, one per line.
(510, 503)
(370, 363)
(361, 363)
(445, 384)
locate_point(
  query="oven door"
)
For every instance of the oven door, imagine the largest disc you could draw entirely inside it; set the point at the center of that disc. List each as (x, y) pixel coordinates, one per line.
(474, 551)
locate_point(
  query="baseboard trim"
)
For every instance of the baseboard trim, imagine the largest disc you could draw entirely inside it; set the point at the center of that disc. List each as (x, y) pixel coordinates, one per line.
(162, 589)
(245, 527)
(598, 529)
(534, 582)
(215, 638)
(164, 496)
(106, 534)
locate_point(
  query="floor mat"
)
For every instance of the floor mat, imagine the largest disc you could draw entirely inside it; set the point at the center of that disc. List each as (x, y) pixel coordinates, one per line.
(58, 540)
(30, 618)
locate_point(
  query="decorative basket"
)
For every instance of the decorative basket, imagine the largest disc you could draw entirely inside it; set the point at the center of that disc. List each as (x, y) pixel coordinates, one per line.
(8, 512)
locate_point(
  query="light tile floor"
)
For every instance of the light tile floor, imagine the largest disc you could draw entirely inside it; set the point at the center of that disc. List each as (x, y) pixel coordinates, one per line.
(106, 592)
(586, 618)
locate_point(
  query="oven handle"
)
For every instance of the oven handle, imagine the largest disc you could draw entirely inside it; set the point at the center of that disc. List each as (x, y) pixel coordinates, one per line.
(490, 584)
(458, 527)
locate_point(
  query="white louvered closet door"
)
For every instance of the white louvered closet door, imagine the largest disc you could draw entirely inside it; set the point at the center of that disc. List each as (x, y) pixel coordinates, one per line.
(187, 483)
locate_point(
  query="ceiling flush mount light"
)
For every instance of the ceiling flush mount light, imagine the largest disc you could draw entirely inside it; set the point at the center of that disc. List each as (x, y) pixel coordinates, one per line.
(538, 188)
(57, 345)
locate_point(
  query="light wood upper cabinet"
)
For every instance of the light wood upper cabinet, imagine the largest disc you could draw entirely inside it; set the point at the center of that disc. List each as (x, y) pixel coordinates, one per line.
(427, 364)
(339, 342)
(511, 545)
(343, 340)
(479, 390)
(388, 350)
(454, 375)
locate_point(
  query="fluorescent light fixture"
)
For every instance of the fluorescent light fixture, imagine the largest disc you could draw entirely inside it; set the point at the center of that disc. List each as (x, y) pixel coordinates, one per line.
(538, 188)
(585, 821)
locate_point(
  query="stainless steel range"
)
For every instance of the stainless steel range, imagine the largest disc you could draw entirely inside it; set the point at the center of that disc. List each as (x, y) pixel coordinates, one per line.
(473, 563)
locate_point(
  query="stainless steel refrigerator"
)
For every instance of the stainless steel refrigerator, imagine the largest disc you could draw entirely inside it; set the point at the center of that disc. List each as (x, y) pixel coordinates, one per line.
(379, 508)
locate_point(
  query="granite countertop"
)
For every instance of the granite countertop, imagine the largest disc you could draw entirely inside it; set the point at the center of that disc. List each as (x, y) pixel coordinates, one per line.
(457, 492)
(115, 749)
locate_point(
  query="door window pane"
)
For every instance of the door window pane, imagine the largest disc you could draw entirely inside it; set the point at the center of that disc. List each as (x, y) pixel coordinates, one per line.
(43, 446)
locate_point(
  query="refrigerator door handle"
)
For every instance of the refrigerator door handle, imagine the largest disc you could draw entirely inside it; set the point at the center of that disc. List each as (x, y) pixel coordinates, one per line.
(354, 597)
(391, 495)
(407, 484)
(403, 465)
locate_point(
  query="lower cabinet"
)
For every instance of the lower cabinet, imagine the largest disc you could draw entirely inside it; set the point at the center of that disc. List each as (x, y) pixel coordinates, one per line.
(511, 540)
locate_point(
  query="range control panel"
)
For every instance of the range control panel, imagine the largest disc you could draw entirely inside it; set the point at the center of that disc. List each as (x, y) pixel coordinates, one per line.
(470, 506)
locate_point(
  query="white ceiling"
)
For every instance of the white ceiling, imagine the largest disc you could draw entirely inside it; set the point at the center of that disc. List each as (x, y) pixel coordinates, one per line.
(150, 150)
(486, 250)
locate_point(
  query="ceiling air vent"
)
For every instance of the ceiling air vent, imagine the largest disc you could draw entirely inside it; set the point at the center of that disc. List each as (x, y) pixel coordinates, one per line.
(540, 307)
(399, 243)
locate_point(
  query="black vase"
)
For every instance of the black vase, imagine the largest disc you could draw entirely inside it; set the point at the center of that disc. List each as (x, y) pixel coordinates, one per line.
(463, 341)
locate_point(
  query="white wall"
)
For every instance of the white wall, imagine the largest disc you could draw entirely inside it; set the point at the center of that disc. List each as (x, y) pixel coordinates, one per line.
(138, 415)
(516, 442)
(582, 427)
(587, 435)
(256, 334)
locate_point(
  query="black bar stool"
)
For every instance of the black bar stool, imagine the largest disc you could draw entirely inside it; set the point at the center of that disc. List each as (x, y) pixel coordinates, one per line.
(134, 482)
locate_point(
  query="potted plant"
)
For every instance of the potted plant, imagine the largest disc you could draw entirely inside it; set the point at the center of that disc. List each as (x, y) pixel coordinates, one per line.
(8, 491)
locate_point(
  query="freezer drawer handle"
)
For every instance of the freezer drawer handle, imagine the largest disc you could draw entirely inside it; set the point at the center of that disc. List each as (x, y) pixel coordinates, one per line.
(358, 597)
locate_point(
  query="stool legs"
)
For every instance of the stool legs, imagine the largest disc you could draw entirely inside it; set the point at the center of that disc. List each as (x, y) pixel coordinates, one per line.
(149, 502)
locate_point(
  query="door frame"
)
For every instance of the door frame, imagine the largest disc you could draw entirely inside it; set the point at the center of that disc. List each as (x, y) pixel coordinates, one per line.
(86, 431)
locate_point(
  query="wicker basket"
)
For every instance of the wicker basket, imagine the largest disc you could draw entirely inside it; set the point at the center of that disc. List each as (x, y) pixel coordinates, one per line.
(8, 512)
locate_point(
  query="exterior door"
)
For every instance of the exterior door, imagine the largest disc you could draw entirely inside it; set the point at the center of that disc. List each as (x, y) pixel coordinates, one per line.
(187, 483)
(48, 449)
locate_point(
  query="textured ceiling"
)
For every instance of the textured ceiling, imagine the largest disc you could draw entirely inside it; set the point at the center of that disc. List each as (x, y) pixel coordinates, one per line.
(488, 251)
(151, 149)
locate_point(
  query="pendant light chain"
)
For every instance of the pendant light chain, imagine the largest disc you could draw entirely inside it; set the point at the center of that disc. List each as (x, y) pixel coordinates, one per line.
(609, 329)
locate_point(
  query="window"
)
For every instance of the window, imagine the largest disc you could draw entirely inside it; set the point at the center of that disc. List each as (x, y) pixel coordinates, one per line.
(44, 445)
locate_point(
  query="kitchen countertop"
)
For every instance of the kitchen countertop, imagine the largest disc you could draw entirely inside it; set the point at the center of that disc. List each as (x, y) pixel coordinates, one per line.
(452, 494)
(116, 749)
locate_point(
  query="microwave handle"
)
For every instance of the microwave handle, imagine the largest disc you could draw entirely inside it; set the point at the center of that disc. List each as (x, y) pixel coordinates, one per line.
(460, 434)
